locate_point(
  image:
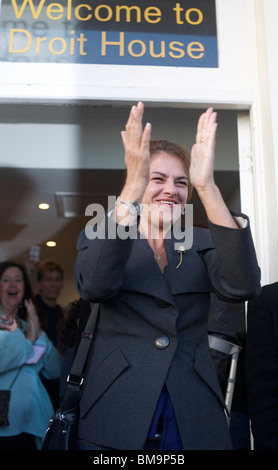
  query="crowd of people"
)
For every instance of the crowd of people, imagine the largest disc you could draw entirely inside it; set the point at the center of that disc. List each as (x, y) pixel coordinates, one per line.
(150, 366)
(36, 339)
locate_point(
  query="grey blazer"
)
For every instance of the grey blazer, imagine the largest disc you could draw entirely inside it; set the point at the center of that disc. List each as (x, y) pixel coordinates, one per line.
(152, 330)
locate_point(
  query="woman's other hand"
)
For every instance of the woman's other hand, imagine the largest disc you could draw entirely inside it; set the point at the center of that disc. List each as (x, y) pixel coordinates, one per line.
(33, 328)
(202, 153)
(7, 323)
(202, 171)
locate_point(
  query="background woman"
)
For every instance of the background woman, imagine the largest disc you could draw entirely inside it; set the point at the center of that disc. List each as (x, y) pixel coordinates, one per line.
(25, 352)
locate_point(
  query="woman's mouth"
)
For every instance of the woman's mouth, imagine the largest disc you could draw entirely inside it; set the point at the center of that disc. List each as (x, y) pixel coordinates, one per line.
(12, 293)
(167, 202)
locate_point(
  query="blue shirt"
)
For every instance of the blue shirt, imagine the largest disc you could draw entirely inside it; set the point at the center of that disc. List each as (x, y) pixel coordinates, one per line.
(30, 406)
(170, 436)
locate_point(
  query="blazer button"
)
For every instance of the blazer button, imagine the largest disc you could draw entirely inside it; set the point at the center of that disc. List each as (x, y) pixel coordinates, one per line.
(161, 341)
(161, 303)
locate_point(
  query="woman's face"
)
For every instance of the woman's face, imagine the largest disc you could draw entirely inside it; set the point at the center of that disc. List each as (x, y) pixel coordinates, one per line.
(167, 191)
(11, 287)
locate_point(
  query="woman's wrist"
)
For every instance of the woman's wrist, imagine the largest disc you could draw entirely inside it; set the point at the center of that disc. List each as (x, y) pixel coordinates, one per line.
(128, 204)
(134, 190)
(215, 206)
(207, 190)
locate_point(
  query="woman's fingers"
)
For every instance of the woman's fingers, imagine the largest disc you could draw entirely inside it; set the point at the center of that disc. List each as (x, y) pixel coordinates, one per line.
(206, 129)
(202, 153)
(204, 124)
(133, 132)
(145, 141)
(136, 140)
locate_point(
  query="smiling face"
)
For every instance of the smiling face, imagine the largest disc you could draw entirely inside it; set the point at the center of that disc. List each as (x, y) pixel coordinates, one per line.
(167, 191)
(11, 288)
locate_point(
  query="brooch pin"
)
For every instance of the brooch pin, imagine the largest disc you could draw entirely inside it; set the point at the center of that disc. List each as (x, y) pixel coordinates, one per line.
(181, 251)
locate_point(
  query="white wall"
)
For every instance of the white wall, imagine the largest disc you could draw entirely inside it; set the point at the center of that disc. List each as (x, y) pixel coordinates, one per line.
(271, 15)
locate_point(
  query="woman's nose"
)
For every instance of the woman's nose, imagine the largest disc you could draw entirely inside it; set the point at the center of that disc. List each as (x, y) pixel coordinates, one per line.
(169, 187)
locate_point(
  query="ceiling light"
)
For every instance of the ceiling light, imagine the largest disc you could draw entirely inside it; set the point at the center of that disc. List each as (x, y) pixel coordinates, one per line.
(43, 206)
(51, 243)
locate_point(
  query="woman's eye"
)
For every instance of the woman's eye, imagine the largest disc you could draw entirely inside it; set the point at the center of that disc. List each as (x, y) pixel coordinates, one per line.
(157, 179)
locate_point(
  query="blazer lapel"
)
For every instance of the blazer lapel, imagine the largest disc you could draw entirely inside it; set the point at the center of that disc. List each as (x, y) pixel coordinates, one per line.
(187, 272)
(142, 273)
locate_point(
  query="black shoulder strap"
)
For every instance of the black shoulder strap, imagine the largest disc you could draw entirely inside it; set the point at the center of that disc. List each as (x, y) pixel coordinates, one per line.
(85, 343)
(75, 377)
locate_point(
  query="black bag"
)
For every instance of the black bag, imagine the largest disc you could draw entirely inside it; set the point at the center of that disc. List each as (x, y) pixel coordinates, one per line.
(5, 396)
(61, 432)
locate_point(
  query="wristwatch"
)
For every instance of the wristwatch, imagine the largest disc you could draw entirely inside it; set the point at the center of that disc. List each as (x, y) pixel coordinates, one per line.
(133, 207)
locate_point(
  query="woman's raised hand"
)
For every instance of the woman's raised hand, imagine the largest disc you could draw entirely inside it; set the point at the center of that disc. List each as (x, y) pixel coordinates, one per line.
(201, 171)
(33, 328)
(136, 141)
(202, 153)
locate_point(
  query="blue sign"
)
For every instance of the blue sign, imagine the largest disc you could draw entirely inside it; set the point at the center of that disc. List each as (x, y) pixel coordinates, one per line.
(154, 32)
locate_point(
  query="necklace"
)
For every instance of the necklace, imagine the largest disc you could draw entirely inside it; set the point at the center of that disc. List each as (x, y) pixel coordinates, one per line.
(159, 256)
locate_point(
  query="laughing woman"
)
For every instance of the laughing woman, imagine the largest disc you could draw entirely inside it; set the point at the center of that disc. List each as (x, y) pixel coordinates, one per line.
(150, 382)
(25, 352)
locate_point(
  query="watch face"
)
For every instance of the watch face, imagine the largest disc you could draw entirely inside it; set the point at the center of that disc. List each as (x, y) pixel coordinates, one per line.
(135, 208)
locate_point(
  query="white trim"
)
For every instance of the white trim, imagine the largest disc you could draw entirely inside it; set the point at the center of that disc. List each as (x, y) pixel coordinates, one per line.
(252, 194)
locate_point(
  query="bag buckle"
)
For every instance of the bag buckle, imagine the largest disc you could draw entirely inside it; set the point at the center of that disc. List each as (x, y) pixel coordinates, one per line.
(74, 380)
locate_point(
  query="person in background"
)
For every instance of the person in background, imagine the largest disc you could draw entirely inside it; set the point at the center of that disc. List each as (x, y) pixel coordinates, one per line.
(49, 285)
(26, 354)
(149, 367)
(262, 367)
